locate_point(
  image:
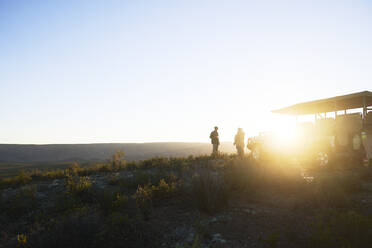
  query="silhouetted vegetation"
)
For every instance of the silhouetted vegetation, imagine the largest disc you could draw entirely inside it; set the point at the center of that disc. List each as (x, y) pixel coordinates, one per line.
(142, 204)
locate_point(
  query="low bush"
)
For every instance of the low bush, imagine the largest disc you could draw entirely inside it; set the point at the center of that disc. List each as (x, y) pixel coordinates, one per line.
(21, 241)
(113, 179)
(121, 230)
(104, 200)
(141, 178)
(143, 199)
(156, 162)
(120, 202)
(250, 178)
(163, 190)
(63, 202)
(209, 192)
(21, 179)
(117, 161)
(49, 175)
(83, 229)
(80, 188)
(73, 169)
(2, 204)
(239, 177)
(271, 240)
(334, 189)
(75, 231)
(341, 229)
(22, 203)
(284, 179)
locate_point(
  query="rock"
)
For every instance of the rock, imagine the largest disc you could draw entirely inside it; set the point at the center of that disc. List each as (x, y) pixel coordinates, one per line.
(217, 238)
(55, 183)
(190, 238)
(99, 181)
(214, 219)
(8, 193)
(250, 211)
(130, 175)
(42, 187)
(218, 163)
(40, 195)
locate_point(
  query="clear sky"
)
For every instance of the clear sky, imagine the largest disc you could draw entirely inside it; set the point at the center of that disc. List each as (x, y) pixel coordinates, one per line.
(147, 71)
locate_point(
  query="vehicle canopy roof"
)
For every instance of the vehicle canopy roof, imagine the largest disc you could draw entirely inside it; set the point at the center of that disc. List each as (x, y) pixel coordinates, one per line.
(350, 101)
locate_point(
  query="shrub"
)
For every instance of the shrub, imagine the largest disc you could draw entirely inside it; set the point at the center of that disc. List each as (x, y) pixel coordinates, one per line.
(120, 202)
(122, 230)
(51, 175)
(284, 179)
(250, 178)
(144, 200)
(2, 203)
(117, 222)
(365, 173)
(23, 202)
(344, 230)
(154, 163)
(139, 178)
(73, 169)
(75, 231)
(21, 179)
(117, 160)
(271, 240)
(22, 241)
(132, 165)
(242, 178)
(105, 168)
(80, 188)
(209, 192)
(64, 202)
(113, 179)
(333, 189)
(104, 200)
(163, 189)
(179, 163)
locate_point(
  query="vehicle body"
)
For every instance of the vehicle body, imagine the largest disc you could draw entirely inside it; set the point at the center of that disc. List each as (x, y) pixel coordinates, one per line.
(332, 136)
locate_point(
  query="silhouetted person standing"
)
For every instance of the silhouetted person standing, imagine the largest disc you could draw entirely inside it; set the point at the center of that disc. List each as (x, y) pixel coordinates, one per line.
(239, 142)
(215, 140)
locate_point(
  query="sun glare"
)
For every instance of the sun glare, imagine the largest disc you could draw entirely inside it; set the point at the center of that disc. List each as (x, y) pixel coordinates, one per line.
(284, 129)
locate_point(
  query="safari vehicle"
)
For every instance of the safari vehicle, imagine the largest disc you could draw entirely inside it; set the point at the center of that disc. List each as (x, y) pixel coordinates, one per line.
(340, 131)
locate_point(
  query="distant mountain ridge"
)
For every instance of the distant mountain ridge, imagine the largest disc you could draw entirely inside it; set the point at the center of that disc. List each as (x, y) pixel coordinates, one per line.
(102, 151)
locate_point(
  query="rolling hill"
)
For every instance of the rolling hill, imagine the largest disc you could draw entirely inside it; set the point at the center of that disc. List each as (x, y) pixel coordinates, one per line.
(15, 153)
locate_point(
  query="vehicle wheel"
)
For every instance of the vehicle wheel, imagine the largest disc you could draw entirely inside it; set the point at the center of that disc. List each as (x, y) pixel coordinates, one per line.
(256, 154)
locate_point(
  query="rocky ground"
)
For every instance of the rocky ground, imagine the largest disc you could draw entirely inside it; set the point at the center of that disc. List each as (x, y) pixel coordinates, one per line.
(175, 216)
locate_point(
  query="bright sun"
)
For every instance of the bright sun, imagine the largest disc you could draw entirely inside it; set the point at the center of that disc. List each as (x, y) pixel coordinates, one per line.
(284, 129)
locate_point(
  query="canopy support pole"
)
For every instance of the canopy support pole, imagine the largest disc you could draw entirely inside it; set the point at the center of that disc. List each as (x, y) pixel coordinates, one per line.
(364, 110)
(335, 106)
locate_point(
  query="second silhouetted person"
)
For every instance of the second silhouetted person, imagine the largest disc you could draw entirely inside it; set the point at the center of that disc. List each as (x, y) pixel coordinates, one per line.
(239, 142)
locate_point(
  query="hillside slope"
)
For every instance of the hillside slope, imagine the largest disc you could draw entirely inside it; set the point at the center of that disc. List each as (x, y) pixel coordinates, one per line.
(99, 152)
